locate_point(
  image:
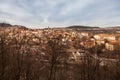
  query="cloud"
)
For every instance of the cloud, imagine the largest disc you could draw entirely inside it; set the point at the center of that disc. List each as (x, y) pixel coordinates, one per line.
(43, 13)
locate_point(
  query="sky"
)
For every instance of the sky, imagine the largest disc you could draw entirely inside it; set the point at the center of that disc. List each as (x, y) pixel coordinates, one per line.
(60, 13)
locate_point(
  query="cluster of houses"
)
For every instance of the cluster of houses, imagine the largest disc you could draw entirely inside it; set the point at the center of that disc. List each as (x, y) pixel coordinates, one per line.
(110, 40)
(37, 36)
(36, 39)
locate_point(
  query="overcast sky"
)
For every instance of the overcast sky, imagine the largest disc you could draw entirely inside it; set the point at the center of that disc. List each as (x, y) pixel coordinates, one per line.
(57, 13)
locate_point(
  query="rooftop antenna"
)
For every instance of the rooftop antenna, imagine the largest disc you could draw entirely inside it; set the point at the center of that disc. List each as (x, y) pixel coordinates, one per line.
(48, 27)
(4, 21)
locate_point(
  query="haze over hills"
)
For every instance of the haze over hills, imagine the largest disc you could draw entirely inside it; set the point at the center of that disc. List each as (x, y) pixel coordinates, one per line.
(2, 25)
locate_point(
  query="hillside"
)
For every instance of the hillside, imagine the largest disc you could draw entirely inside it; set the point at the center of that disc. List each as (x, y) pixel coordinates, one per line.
(79, 26)
(5, 25)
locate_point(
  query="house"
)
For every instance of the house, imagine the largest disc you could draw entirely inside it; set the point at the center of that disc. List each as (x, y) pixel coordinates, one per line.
(84, 34)
(99, 42)
(88, 44)
(76, 55)
(111, 45)
(105, 36)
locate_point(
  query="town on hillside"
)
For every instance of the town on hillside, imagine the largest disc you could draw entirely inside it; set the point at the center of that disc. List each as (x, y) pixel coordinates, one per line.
(58, 48)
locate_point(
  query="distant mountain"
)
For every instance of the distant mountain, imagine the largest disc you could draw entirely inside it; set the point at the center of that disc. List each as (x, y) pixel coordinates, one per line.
(5, 25)
(114, 27)
(79, 26)
(19, 26)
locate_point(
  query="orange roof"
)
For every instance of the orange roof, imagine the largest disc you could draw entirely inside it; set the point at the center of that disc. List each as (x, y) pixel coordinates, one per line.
(88, 42)
(114, 42)
(105, 35)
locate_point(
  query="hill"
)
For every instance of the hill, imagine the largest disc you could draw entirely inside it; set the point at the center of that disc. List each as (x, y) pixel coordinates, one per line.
(79, 26)
(5, 25)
